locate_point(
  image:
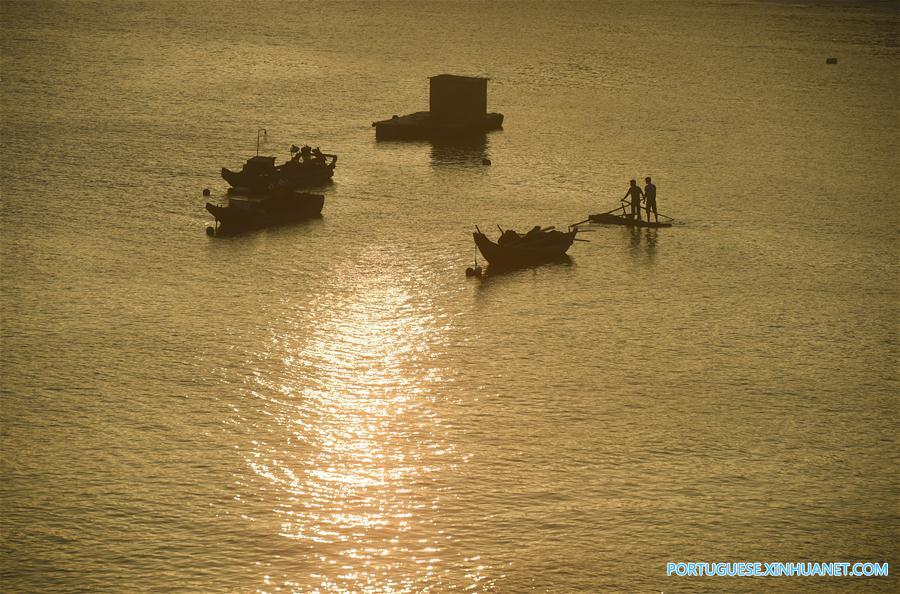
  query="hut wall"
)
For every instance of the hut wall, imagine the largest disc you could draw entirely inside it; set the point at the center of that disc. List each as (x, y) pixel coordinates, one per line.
(458, 98)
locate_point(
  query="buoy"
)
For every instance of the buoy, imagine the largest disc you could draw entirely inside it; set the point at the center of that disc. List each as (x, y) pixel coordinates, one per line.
(210, 231)
(206, 191)
(485, 161)
(831, 61)
(470, 271)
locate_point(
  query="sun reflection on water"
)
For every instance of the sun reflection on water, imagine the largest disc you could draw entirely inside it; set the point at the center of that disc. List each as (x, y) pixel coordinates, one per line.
(355, 476)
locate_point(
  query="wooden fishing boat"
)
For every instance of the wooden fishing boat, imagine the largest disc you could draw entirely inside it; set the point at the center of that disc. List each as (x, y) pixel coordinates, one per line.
(306, 167)
(260, 174)
(243, 213)
(535, 247)
(608, 218)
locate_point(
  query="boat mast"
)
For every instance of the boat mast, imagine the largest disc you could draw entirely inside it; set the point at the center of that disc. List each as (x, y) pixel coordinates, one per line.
(264, 133)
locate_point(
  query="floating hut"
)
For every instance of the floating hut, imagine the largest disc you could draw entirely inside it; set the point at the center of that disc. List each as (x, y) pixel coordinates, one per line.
(457, 108)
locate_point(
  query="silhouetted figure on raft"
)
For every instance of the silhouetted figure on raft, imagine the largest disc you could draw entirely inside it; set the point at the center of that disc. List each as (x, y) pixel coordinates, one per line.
(650, 198)
(620, 215)
(635, 193)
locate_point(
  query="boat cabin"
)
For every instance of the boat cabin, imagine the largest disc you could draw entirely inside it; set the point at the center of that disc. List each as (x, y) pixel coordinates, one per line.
(259, 163)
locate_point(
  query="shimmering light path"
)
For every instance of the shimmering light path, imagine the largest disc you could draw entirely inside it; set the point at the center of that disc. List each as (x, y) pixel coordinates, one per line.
(356, 458)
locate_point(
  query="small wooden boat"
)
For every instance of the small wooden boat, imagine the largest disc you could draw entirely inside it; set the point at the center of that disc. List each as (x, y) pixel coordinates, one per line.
(243, 213)
(535, 247)
(608, 218)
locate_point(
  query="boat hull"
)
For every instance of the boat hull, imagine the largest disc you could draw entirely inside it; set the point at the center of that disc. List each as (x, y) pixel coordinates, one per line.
(254, 213)
(524, 252)
(611, 219)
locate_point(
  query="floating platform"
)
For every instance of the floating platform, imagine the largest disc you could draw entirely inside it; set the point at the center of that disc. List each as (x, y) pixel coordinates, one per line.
(611, 219)
(422, 125)
(457, 109)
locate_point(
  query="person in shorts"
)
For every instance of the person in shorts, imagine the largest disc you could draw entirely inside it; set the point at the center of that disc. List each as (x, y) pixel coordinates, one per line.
(635, 193)
(650, 199)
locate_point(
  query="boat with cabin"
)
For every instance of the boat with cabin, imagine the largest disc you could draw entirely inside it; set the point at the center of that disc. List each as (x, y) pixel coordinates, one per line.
(247, 212)
(306, 167)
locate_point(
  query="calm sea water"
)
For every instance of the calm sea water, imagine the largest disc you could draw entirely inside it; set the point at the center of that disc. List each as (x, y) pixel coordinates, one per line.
(333, 406)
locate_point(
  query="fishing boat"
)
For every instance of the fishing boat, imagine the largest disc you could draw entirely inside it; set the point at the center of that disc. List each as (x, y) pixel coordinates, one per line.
(608, 218)
(306, 167)
(514, 249)
(260, 174)
(243, 213)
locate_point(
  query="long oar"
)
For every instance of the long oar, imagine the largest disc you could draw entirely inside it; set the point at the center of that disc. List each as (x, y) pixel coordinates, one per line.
(584, 240)
(588, 220)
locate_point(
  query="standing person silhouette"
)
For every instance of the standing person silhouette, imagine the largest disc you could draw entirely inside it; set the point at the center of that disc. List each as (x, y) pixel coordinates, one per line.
(650, 198)
(634, 191)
